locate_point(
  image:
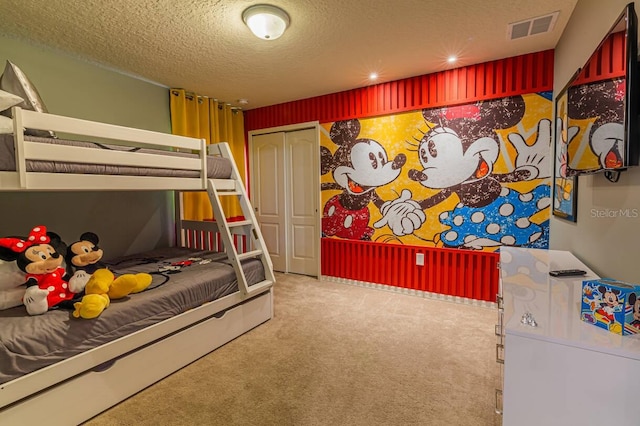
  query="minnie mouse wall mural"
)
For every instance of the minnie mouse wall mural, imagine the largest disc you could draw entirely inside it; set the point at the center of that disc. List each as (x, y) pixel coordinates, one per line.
(358, 166)
(457, 155)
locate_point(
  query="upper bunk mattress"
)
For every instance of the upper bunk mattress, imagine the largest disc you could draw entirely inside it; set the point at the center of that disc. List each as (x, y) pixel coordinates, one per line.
(183, 279)
(217, 167)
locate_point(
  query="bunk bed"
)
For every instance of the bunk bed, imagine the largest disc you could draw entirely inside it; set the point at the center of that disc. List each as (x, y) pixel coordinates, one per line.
(106, 366)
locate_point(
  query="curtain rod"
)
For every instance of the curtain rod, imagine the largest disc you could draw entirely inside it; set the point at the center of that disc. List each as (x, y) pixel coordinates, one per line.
(192, 95)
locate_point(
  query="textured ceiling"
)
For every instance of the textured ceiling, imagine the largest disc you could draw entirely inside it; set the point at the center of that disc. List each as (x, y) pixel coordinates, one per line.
(330, 46)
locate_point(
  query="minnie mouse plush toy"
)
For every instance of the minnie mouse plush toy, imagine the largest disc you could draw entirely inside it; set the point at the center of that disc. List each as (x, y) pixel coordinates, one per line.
(48, 285)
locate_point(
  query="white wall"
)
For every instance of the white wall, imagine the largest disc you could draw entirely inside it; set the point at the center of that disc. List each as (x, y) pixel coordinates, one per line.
(126, 222)
(609, 245)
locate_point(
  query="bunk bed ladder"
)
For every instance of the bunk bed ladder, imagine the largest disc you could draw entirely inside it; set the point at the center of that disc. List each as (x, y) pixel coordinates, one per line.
(257, 248)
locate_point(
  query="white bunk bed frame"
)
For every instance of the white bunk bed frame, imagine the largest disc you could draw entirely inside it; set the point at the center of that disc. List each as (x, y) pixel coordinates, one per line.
(95, 380)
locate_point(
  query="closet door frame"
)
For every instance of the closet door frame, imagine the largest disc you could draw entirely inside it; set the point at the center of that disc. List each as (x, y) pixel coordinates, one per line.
(316, 172)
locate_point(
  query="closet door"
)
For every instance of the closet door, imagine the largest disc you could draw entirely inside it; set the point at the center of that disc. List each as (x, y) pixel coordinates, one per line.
(285, 182)
(302, 209)
(268, 194)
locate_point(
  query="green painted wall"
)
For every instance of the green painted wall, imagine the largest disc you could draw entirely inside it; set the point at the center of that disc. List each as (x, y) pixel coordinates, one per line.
(127, 222)
(72, 87)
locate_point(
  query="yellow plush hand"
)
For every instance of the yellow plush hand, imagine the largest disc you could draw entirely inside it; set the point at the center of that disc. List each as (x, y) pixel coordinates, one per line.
(144, 281)
(91, 306)
(122, 286)
(103, 281)
(100, 282)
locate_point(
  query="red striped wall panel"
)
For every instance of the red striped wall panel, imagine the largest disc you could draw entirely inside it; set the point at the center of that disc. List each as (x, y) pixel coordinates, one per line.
(204, 240)
(607, 62)
(461, 273)
(506, 77)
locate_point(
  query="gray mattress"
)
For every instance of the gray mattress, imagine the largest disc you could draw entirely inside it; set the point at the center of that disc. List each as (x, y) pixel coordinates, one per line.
(217, 167)
(28, 343)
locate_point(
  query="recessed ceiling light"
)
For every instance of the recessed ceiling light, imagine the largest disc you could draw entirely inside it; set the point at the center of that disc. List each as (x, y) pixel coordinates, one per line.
(373, 76)
(451, 59)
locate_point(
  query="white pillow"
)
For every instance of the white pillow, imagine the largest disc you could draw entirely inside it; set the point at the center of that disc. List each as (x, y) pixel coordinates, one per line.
(11, 298)
(11, 281)
(6, 125)
(7, 100)
(10, 275)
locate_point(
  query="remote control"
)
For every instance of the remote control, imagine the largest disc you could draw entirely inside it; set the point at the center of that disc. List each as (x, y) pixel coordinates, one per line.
(567, 273)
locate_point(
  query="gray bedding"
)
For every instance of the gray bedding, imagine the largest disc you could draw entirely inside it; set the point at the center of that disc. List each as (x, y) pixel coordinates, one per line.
(28, 343)
(217, 167)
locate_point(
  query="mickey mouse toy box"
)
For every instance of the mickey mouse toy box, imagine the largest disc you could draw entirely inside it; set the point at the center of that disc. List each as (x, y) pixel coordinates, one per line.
(612, 305)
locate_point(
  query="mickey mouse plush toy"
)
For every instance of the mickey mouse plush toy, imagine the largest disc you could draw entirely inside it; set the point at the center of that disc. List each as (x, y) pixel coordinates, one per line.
(84, 261)
(48, 284)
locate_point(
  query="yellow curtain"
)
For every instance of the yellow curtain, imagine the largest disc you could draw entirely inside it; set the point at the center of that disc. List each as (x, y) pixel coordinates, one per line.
(201, 117)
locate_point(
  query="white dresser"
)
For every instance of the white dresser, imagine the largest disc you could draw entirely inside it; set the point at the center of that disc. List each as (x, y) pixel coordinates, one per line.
(562, 371)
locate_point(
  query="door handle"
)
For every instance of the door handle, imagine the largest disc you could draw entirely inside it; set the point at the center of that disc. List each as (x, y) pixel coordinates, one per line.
(499, 351)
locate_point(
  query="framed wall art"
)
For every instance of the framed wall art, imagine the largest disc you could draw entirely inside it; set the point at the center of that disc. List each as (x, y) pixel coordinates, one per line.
(565, 185)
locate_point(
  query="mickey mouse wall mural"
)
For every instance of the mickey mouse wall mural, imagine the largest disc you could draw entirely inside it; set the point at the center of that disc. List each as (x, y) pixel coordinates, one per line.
(358, 166)
(474, 176)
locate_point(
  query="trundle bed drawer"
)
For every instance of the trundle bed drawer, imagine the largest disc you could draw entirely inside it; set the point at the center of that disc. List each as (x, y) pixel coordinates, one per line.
(116, 380)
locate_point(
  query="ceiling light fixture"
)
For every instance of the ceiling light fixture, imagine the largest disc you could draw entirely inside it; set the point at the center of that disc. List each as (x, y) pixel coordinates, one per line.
(451, 59)
(266, 21)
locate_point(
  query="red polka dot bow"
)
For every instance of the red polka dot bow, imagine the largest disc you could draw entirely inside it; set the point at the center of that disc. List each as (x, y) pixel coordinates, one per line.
(38, 235)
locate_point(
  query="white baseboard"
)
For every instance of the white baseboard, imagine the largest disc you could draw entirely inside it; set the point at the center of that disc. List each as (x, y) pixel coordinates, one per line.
(412, 292)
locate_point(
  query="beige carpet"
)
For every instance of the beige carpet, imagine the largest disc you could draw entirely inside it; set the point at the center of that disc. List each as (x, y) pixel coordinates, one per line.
(336, 354)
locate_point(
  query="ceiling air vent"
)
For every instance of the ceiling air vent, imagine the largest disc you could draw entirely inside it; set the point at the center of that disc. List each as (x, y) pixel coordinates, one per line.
(533, 26)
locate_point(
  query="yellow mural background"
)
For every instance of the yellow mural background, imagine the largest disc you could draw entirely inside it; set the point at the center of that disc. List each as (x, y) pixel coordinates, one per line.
(398, 134)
